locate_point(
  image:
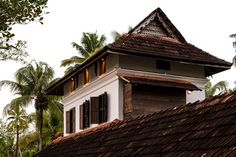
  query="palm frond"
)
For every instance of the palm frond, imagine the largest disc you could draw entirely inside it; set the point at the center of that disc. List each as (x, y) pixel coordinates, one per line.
(116, 35)
(83, 52)
(14, 86)
(71, 61)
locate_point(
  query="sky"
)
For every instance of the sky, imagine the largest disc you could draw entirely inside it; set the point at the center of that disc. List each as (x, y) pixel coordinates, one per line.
(205, 24)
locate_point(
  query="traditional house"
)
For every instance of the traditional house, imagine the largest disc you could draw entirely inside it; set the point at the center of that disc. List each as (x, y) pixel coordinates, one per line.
(152, 68)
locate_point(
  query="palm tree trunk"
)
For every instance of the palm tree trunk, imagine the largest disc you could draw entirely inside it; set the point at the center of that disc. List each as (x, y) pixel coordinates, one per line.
(40, 128)
(17, 140)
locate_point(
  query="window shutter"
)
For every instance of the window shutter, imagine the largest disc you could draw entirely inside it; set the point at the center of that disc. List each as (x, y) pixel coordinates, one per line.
(81, 117)
(94, 110)
(86, 114)
(67, 122)
(73, 120)
(104, 107)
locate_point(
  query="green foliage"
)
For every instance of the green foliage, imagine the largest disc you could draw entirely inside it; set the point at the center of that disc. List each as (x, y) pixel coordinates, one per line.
(31, 82)
(15, 52)
(90, 44)
(116, 35)
(17, 12)
(17, 121)
(234, 42)
(219, 88)
(6, 141)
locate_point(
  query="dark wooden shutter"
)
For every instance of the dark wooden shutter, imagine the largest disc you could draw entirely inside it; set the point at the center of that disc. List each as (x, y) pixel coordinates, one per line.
(67, 122)
(86, 114)
(81, 117)
(73, 120)
(94, 103)
(103, 108)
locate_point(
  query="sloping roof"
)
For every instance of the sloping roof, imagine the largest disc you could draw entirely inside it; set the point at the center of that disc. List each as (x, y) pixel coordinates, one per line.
(158, 81)
(166, 48)
(206, 128)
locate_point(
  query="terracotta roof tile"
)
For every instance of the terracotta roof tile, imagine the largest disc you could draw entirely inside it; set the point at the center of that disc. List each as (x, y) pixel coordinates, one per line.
(164, 48)
(204, 128)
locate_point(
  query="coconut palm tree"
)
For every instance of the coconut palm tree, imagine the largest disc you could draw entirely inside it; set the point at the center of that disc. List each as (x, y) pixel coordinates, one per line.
(220, 88)
(52, 128)
(90, 43)
(18, 121)
(116, 35)
(31, 82)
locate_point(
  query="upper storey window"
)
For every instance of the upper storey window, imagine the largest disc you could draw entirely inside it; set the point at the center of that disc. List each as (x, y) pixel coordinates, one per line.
(102, 66)
(86, 75)
(162, 65)
(72, 84)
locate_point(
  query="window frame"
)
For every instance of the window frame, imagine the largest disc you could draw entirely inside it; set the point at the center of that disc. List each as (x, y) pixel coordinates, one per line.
(102, 66)
(163, 65)
(86, 75)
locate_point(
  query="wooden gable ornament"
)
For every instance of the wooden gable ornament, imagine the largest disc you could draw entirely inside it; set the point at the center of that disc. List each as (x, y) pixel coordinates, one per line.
(158, 24)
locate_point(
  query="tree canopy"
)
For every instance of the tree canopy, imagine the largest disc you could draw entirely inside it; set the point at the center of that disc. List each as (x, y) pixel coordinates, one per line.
(17, 12)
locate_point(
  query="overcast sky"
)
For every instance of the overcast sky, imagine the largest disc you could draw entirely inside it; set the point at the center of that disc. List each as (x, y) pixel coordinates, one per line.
(206, 24)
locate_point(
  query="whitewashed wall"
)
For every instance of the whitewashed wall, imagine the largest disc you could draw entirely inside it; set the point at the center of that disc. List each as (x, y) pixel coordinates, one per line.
(109, 83)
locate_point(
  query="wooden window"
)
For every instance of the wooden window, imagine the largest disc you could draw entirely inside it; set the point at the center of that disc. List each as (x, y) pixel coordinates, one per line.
(86, 76)
(72, 84)
(94, 110)
(96, 69)
(70, 121)
(102, 66)
(84, 115)
(99, 109)
(77, 81)
(163, 65)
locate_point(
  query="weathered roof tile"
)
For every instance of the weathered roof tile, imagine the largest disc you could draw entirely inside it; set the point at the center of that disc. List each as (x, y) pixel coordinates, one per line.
(205, 128)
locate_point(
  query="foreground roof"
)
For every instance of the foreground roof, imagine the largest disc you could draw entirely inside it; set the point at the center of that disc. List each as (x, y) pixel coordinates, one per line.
(205, 128)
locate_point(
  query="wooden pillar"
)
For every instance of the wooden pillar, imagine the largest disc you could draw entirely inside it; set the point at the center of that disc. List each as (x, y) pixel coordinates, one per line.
(128, 104)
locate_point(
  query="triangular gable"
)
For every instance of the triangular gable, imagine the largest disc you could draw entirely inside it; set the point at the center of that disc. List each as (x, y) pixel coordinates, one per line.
(158, 24)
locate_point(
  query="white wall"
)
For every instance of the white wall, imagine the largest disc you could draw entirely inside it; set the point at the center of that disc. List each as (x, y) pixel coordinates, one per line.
(109, 83)
(196, 95)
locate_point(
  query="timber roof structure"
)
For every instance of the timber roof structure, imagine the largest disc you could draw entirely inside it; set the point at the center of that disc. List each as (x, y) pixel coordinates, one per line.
(205, 128)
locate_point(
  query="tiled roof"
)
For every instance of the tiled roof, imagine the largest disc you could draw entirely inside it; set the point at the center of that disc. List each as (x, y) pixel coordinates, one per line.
(165, 48)
(202, 129)
(158, 81)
